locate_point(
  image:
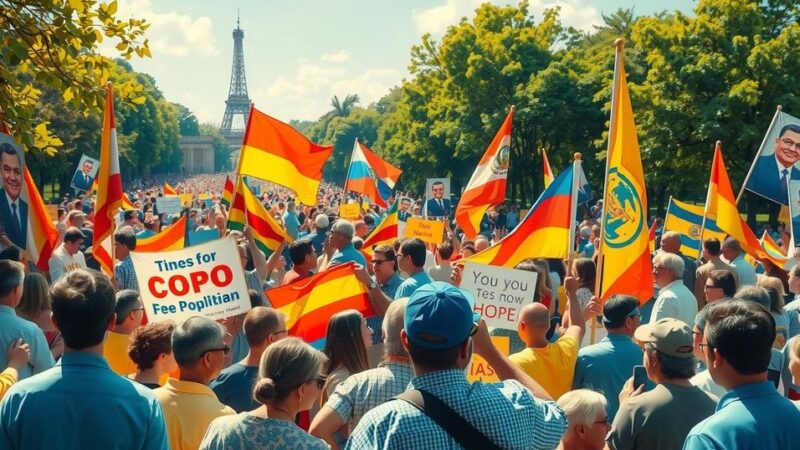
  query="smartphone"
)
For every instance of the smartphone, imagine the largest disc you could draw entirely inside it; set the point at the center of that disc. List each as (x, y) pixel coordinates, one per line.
(639, 376)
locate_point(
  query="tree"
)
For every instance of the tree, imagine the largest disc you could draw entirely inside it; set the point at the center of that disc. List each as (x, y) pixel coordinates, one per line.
(188, 121)
(54, 45)
(343, 109)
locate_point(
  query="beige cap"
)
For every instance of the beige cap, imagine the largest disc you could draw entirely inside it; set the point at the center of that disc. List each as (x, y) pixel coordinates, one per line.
(669, 336)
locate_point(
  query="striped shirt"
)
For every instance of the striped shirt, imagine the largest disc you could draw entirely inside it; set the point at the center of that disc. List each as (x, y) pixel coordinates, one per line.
(125, 275)
(365, 390)
(504, 412)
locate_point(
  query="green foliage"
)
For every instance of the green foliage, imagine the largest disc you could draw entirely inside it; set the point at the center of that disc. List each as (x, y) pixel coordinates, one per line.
(188, 121)
(52, 45)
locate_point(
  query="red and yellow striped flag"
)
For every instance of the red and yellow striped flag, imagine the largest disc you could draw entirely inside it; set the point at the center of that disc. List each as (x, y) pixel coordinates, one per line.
(127, 204)
(384, 233)
(309, 303)
(274, 151)
(248, 210)
(171, 238)
(487, 186)
(168, 190)
(625, 266)
(109, 193)
(227, 192)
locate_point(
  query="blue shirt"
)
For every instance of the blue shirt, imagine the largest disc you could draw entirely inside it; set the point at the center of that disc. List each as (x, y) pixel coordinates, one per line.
(752, 416)
(346, 254)
(411, 284)
(234, 387)
(504, 412)
(376, 322)
(291, 223)
(13, 327)
(81, 403)
(126, 276)
(606, 366)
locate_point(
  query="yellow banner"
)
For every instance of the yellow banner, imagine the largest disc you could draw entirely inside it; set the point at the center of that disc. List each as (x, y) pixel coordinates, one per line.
(186, 199)
(480, 370)
(349, 211)
(431, 231)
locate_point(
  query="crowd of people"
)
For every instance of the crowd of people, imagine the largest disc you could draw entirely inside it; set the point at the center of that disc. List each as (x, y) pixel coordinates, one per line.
(712, 361)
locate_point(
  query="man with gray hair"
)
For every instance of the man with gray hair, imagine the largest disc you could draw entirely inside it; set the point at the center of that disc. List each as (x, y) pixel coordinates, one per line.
(671, 243)
(734, 255)
(588, 421)
(365, 390)
(674, 299)
(341, 238)
(669, 361)
(189, 404)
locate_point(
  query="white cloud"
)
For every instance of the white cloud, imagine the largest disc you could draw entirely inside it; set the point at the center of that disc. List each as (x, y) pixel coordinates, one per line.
(435, 20)
(171, 33)
(337, 57)
(306, 93)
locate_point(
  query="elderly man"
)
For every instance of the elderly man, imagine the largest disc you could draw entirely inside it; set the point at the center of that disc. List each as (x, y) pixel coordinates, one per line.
(341, 239)
(189, 404)
(382, 288)
(641, 422)
(671, 243)
(711, 255)
(674, 299)
(588, 421)
(365, 390)
(81, 402)
(734, 255)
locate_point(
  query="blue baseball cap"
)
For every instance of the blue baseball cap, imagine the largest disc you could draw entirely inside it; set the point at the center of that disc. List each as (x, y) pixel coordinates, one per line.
(439, 316)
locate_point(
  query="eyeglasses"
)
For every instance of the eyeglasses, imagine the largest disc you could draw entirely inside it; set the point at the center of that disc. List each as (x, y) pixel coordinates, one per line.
(703, 347)
(379, 261)
(320, 382)
(791, 144)
(225, 350)
(279, 332)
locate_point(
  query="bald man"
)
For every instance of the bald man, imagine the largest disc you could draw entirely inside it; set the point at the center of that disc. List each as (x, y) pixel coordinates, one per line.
(671, 243)
(551, 364)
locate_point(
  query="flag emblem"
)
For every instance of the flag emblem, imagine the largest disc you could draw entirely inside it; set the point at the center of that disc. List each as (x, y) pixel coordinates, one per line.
(694, 232)
(624, 214)
(501, 160)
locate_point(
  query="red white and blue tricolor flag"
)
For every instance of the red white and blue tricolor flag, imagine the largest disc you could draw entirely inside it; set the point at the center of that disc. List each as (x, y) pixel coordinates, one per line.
(371, 176)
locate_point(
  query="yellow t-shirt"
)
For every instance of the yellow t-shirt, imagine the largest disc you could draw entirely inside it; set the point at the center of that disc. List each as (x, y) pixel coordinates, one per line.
(552, 367)
(115, 350)
(188, 410)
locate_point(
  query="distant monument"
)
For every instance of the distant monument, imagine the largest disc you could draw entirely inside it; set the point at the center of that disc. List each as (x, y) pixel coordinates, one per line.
(237, 106)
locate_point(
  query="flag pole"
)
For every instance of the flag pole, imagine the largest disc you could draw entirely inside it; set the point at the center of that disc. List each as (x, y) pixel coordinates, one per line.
(760, 149)
(573, 207)
(619, 44)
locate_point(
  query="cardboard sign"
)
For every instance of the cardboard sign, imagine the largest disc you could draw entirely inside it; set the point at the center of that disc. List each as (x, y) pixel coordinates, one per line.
(499, 293)
(204, 280)
(431, 231)
(480, 370)
(349, 211)
(168, 205)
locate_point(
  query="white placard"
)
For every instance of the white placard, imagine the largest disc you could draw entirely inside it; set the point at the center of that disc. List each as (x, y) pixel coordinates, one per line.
(499, 293)
(204, 280)
(168, 205)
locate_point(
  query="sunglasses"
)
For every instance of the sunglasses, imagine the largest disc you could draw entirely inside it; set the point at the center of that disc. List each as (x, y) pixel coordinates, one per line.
(379, 261)
(225, 350)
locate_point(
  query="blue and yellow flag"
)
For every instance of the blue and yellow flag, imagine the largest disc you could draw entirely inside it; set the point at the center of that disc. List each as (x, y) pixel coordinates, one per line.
(687, 220)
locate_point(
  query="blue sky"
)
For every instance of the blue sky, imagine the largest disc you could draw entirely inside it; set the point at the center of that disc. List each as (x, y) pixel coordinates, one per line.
(299, 54)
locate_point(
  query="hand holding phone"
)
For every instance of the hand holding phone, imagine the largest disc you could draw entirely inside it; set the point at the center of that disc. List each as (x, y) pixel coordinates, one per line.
(639, 377)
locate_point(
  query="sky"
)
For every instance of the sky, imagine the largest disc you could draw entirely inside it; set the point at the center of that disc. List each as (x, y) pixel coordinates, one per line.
(299, 54)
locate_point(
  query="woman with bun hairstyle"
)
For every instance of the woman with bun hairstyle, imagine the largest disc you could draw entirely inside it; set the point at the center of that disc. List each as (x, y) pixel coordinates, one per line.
(289, 382)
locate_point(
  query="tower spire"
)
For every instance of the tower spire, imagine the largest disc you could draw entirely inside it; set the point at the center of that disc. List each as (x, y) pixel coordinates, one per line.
(237, 106)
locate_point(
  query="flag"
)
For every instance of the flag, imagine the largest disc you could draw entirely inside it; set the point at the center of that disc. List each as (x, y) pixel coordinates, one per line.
(109, 194)
(42, 236)
(370, 175)
(652, 237)
(309, 303)
(274, 151)
(625, 266)
(168, 190)
(127, 204)
(721, 205)
(543, 233)
(487, 186)
(687, 220)
(171, 238)
(227, 192)
(546, 170)
(248, 210)
(384, 233)
(774, 252)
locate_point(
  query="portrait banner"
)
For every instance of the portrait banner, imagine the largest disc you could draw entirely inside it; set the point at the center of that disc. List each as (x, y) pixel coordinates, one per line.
(437, 198)
(203, 280)
(794, 212)
(776, 162)
(85, 174)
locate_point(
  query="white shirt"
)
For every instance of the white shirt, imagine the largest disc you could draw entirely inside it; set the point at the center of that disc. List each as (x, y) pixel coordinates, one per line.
(62, 262)
(675, 300)
(704, 381)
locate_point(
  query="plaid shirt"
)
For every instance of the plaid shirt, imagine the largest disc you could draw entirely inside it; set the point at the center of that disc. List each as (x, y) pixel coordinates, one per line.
(376, 322)
(126, 276)
(365, 390)
(504, 412)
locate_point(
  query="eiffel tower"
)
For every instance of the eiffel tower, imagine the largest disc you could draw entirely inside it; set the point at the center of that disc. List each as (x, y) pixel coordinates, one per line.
(237, 106)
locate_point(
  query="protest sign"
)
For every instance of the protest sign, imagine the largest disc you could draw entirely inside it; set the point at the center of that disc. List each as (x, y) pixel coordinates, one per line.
(204, 280)
(499, 293)
(431, 231)
(480, 370)
(168, 205)
(349, 211)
